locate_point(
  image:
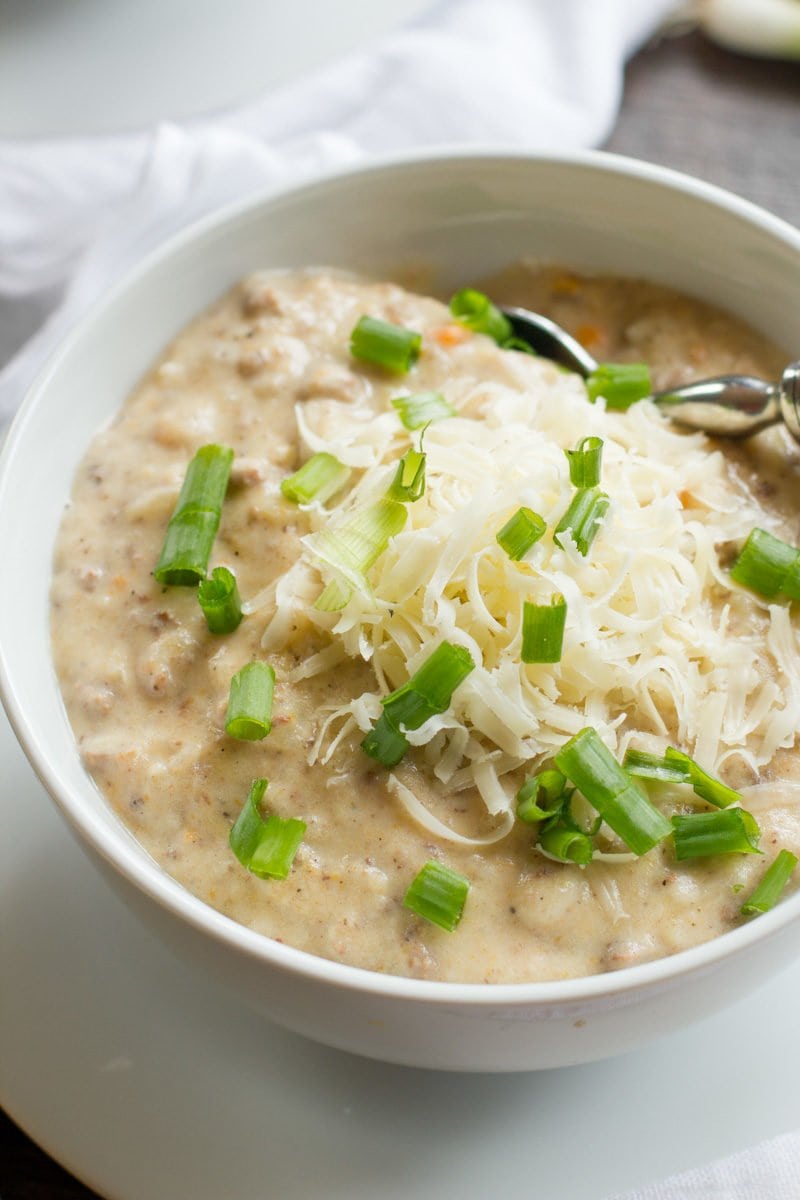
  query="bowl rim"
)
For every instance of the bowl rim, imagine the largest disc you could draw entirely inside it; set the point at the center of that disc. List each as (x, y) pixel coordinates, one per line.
(132, 862)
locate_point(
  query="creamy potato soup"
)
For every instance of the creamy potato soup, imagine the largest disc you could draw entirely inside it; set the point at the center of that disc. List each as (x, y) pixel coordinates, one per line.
(660, 648)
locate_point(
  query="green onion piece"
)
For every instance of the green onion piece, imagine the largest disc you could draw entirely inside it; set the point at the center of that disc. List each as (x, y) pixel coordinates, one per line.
(768, 566)
(542, 796)
(567, 845)
(422, 408)
(355, 547)
(516, 343)
(265, 847)
(621, 384)
(677, 767)
(391, 346)
(279, 842)
(704, 785)
(774, 880)
(195, 520)
(246, 830)
(543, 630)
(438, 894)
(318, 479)
(730, 831)
(187, 548)
(249, 715)
(585, 461)
(476, 312)
(653, 766)
(385, 743)
(521, 532)
(583, 518)
(568, 820)
(333, 597)
(409, 481)
(589, 764)
(220, 601)
(791, 581)
(429, 691)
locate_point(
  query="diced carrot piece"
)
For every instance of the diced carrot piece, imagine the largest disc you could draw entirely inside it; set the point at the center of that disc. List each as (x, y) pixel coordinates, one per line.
(565, 284)
(590, 335)
(451, 335)
(119, 582)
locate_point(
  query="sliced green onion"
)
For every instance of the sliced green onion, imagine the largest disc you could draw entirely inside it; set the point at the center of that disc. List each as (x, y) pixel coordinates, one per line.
(568, 820)
(521, 532)
(249, 715)
(279, 842)
(567, 845)
(318, 479)
(620, 384)
(438, 894)
(220, 601)
(422, 408)
(542, 796)
(429, 691)
(409, 482)
(585, 462)
(704, 785)
(543, 630)
(654, 766)
(385, 743)
(476, 311)
(765, 895)
(195, 520)
(677, 767)
(729, 831)
(355, 547)
(634, 819)
(768, 566)
(265, 846)
(517, 343)
(391, 346)
(583, 518)
(333, 597)
(589, 764)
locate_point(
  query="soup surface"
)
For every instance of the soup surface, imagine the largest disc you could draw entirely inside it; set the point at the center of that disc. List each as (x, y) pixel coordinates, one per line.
(659, 648)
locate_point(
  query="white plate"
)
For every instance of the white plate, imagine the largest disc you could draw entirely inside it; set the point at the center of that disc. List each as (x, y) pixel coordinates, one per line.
(150, 1086)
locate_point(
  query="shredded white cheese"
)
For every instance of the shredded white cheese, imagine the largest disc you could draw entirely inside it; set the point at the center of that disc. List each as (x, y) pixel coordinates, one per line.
(659, 645)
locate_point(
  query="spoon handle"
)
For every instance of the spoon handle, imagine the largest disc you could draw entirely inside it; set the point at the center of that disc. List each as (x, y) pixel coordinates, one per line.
(728, 405)
(789, 398)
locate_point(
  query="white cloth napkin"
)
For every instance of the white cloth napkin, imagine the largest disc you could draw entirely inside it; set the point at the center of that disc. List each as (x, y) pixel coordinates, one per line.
(75, 214)
(770, 1171)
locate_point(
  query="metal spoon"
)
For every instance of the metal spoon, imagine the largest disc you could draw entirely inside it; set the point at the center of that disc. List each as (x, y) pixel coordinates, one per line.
(726, 406)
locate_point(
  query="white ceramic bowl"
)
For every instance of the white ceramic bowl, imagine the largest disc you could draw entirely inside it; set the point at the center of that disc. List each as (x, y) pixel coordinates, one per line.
(464, 215)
